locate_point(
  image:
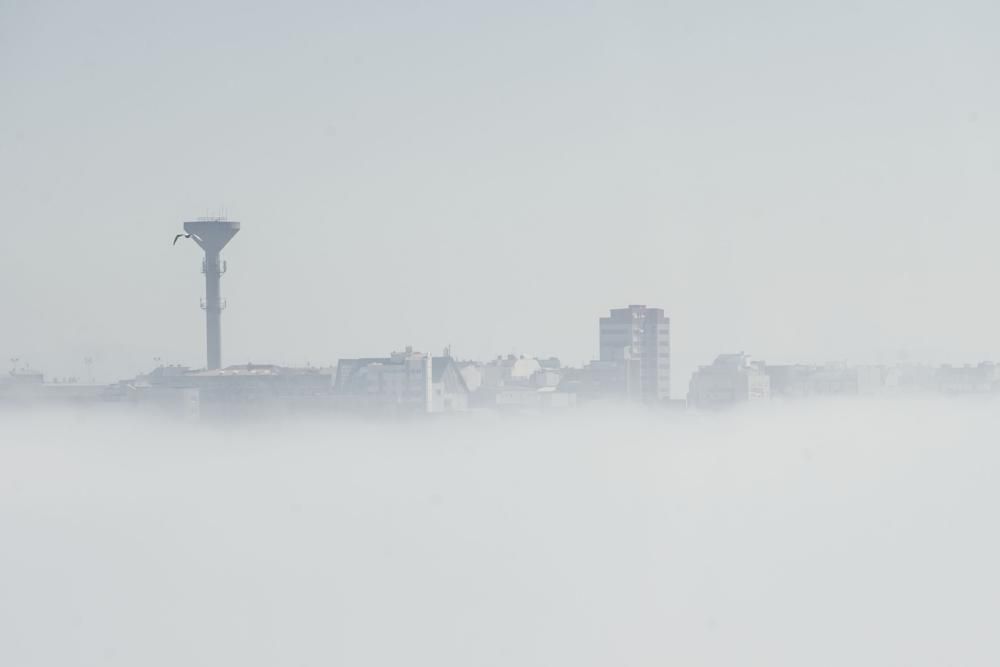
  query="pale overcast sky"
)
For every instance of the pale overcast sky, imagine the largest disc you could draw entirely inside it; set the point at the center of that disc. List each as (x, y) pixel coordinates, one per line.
(802, 181)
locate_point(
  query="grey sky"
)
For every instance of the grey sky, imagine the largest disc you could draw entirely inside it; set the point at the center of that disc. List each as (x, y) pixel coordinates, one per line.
(801, 181)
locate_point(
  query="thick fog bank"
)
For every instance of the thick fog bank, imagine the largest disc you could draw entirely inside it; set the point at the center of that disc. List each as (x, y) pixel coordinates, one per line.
(820, 534)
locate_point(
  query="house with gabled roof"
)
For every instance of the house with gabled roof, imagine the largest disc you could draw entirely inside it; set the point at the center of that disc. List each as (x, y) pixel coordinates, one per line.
(405, 381)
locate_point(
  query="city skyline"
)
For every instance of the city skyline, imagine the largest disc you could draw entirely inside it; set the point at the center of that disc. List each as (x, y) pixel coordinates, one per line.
(633, 366)
(644, 375)
(804, 187)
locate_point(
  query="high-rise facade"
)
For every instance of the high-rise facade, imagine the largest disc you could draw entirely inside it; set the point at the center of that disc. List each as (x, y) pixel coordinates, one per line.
(636, 341)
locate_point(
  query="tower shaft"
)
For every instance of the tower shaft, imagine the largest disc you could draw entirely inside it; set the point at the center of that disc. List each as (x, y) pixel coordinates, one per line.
(213, 235)
(213, 310)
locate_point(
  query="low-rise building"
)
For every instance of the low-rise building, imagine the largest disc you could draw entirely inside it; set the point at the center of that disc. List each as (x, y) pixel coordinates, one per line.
(800, 380)
(512, 375)
(235, 391)
(984, 378)
(505, 371)
(27, 387)
(730, 379)
(534, 399)
(402, 382)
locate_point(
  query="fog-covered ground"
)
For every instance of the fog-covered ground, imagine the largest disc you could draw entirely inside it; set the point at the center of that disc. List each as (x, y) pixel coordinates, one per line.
(842, 533)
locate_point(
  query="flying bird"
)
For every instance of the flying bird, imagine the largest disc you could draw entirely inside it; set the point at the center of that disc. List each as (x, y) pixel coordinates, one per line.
(187, 236)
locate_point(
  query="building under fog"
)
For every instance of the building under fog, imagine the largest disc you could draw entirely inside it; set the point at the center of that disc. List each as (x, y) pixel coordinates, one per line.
(533, 399)
(514, 382)
(729, 380)
(634, 358)
(402, 382)
(242, 390)
(983, 378)
(801, 380)
(30, 388)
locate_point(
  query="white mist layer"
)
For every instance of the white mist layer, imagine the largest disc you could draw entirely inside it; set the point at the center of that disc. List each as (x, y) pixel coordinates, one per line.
(845, 533)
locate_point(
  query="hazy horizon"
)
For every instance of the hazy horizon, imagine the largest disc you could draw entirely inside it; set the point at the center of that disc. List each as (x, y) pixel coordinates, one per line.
(802, 183)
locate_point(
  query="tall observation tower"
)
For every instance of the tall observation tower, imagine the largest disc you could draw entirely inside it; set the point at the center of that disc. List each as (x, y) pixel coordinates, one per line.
(212, 234)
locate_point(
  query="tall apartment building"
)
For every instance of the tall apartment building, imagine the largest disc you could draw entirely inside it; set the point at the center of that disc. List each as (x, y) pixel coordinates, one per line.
(635, 343)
